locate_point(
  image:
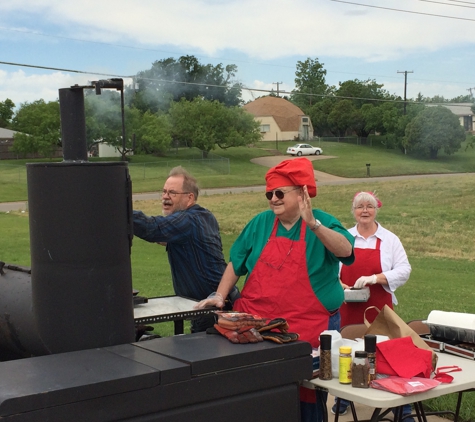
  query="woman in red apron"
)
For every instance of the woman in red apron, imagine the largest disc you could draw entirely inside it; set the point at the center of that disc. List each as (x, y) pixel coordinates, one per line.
(380, 263)
(274, 249)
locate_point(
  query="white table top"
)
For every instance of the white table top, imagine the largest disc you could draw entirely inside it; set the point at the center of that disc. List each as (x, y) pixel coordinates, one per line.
(463, 380)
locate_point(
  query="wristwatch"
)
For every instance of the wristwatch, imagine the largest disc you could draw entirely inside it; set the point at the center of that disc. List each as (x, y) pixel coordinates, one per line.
(317, 225)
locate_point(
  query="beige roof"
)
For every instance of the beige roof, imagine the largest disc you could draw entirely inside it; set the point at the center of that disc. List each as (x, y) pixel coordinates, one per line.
(6, 133)
(286, 115)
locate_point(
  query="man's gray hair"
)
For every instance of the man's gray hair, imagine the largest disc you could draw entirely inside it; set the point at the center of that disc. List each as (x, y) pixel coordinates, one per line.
(190, 184)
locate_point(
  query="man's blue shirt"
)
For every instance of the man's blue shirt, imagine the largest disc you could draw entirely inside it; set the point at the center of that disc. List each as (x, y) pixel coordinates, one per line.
(194, 248)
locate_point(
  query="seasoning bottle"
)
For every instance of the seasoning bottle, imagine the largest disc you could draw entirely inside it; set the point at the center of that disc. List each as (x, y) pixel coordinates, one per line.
(360, 370)
(325, 357)
(344, 365)
(370, 348)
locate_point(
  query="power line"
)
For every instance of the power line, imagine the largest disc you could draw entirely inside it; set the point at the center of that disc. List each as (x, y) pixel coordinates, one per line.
(447, 4)
(244, 88)
(404, 11)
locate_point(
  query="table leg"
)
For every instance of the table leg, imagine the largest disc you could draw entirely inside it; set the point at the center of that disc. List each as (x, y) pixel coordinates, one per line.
(179, 327)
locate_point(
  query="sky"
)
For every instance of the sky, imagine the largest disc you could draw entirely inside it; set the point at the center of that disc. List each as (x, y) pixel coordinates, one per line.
(46, 45)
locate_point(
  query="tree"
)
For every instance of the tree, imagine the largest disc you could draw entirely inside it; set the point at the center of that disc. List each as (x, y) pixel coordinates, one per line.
(6, 113)
(104, 121)
(310, 85)
(363, 92)
(206, 124)
(433, 129)
(170, 80)
(319, 113)
(154, 134)
(39, 126)
(342, 117)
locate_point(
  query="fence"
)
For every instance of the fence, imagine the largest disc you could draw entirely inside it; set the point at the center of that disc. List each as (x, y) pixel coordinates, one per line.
(356, 140)
(199, 164)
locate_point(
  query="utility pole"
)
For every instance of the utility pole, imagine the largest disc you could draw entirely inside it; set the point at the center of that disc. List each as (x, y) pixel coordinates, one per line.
(405, 86)
(277, 83)
(470, 90)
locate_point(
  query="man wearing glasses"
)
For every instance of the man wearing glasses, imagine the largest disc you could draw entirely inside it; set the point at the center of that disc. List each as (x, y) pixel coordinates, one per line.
(191, 236)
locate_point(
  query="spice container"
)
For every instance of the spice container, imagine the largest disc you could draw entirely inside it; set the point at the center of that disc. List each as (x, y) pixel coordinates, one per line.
(325, 357)
(360, 370)
(370, 348)
(344, 365)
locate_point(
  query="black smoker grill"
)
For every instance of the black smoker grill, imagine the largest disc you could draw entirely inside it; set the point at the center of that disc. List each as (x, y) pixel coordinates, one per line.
(67, 327)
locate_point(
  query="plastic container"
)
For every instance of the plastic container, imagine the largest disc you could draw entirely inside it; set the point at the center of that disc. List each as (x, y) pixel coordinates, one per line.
(360, 370)
(344, 365)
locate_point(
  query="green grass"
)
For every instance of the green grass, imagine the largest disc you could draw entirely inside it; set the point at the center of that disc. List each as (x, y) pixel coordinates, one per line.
(350, 160)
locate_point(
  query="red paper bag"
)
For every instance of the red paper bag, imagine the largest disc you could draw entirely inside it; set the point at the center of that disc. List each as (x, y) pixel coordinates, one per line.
(401, 357)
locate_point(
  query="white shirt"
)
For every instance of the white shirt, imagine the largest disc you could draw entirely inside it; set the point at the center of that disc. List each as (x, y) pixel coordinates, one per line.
(394, 262)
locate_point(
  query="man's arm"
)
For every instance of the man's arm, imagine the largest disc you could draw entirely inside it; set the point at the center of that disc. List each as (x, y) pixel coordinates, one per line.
(335, 242)
(228, 281)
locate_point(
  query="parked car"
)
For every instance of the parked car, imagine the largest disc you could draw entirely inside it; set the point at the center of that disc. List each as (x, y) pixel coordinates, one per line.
(304, 149)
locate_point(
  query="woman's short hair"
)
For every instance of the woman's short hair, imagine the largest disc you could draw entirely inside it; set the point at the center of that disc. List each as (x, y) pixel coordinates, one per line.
(366, 197)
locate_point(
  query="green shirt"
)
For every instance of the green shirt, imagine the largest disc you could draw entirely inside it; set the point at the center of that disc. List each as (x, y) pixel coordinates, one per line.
(322, 265)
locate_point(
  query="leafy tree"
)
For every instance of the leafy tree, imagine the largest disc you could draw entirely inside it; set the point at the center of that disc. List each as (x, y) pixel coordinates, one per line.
(462, 99)
(319, 113)
(342, 117)
(6, 112)
(362, 102)
(310, 85)
(154, 134)
(39, 126)
(363, 92)
(170, 80)
(206, 124)
(433, 129)
(104, 121)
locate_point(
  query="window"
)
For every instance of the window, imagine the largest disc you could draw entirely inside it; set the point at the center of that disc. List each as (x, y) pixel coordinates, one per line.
(304, 119)
(265, 128)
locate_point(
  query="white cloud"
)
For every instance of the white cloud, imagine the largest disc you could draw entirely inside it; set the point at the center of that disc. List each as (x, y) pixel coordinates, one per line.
(259, 31)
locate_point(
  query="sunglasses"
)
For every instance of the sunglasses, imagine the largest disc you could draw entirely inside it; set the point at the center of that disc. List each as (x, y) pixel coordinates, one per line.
(279, 193)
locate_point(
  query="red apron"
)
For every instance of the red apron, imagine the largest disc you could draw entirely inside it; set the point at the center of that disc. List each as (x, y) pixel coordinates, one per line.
(367, 262)
(279, 286)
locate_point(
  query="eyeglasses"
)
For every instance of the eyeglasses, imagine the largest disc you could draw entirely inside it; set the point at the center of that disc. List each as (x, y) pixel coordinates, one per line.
(172, 193)
(365, 207)
(279, 193)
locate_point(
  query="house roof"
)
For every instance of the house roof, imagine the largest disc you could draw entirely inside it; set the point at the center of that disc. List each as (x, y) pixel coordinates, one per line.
(286, 115)
(459, 109)
(6, 133)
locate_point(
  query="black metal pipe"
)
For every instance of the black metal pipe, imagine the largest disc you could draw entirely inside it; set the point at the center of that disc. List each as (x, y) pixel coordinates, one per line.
(73, 124)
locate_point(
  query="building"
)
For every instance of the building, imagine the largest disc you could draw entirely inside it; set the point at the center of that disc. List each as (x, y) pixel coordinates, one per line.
(6, 142)
(280, 119)
(465, 114)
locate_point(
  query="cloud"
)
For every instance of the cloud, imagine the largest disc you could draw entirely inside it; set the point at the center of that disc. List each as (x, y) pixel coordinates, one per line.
(250, 33)
(265, 29)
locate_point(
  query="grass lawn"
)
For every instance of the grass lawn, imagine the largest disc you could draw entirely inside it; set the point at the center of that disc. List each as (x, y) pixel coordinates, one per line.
(433, 217)
(350, 160)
